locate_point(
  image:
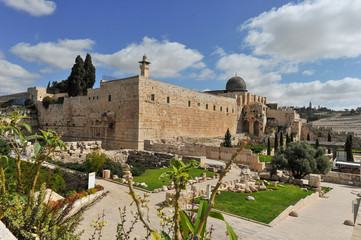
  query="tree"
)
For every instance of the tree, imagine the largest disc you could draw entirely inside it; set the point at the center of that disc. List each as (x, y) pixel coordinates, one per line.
(268, 147)
(291, 138)
(317, 144)
(76, 80)
(302, 159)
(287, 139)
(227, 139)
(281, 139)
(308, 137)
(48, 88)
(89, 72)
(348, 148)
(329, 137)
(276, 142)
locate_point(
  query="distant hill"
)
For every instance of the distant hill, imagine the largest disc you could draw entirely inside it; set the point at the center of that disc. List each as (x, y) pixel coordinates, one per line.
(342, 122)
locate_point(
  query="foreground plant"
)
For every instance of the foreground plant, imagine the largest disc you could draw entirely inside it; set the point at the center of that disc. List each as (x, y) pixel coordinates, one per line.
(181, 221)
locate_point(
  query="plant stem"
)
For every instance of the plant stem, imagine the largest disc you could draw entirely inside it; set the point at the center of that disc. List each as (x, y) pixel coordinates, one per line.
(3, 179)
(214, 192)
(176, 208)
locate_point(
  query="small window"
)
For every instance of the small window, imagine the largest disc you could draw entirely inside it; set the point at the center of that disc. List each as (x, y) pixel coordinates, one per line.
(89, 98)
(97, 97)
(199, 104)
(220, 109)
(167, 99)
(189, 103)
(226, 109)
(109, 98)
(206, 106)
(232, 110)
(93, 98)
(152, 97)
(214, 107)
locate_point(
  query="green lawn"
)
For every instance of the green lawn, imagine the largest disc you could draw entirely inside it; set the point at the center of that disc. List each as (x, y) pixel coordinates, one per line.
(265, 158)
(267, 206)
(151, 177)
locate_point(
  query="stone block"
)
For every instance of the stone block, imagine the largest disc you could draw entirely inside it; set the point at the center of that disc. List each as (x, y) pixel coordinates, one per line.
(106, 174)
(264, 175)
(315, 180)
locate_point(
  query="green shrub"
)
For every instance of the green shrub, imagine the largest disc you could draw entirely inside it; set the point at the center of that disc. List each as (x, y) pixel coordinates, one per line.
(137, 169)
(256, 148)
(47, 101)
(5, 147)
(94, 162)
(74, 181)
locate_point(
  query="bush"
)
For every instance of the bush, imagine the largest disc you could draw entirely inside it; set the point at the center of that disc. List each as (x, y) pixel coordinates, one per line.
(256, 148)
(47, 101)
(137, 169)
(94, 162)
(5, 147)
(301, 159)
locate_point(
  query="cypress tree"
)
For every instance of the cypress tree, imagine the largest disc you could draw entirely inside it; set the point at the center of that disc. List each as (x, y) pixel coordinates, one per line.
(291, 138)
(348, 148)
(276, 142)
(48, 88)
(89, 72)
(308, 137)
(281, 139)
(329, 137)
(268, 147)
(227, 139)
(76, 81)
(317, 144)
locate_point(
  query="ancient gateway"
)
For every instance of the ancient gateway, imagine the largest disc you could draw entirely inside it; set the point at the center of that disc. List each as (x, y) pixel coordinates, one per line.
(123, 113)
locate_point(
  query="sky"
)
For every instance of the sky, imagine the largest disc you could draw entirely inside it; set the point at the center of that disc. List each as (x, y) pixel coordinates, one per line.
(291, 52)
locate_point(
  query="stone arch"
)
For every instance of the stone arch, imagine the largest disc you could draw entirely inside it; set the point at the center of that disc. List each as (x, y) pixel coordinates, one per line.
(256, 128)
(246, 126)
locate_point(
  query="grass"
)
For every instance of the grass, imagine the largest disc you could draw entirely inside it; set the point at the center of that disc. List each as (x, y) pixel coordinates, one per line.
(265, 158)
(267, 206)
(151, 177)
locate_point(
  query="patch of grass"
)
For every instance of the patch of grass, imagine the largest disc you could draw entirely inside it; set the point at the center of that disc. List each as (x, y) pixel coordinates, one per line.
(151, 177)
(265, 158)
(326, 189)
(267, 206)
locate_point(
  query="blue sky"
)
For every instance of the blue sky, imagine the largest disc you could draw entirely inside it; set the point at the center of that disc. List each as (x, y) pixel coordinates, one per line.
(291, 52)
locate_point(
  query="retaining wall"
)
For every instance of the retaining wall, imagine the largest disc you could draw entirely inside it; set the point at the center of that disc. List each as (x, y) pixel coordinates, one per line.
(342, 178)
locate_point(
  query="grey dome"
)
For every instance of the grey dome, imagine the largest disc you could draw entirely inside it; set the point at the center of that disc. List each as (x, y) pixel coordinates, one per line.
(236, 84)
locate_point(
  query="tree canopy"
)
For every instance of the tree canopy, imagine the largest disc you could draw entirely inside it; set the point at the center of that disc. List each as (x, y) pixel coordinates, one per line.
(302, 159)
(82, 77)
(227, 139)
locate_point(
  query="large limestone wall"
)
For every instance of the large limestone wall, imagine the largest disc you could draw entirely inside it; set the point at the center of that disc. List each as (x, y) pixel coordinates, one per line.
(177, 111)
(284, 117)
(246, 157)
(109, 114)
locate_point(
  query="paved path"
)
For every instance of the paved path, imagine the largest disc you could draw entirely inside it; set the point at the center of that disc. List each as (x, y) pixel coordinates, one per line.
(320, 219)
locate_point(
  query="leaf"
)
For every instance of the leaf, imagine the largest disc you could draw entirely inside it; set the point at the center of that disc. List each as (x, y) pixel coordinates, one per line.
(232, 235)
(186, 224)
(27, 126)
(165, 174)
(175, 162)
(201, 211)
(164, 235)
(156, 236)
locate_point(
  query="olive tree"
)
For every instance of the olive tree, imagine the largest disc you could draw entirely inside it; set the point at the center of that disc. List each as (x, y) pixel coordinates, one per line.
(301, 159)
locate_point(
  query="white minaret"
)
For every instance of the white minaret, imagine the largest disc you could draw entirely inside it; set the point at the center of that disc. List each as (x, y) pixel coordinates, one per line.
(144, 67)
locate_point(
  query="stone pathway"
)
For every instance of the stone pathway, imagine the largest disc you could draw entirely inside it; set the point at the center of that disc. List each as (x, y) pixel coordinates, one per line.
(321, 219)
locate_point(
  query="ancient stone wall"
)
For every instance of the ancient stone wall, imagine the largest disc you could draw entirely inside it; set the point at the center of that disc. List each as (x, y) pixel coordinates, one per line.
(22, 95)
(168, 111)
(284, 117)
(342, 178)
(210, 152)
(108, 114)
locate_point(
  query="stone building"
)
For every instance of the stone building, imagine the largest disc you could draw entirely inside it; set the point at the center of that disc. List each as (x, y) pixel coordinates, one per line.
(123, 113)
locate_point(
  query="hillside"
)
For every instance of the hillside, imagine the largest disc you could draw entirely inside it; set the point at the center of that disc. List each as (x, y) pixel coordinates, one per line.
(342, 122)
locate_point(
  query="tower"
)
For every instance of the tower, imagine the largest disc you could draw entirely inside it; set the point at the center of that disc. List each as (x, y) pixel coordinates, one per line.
(144, 67)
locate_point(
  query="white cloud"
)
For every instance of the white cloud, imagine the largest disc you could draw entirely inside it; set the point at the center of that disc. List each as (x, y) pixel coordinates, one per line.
(308, 72)
(344, 92)
(1, 55)
(219, 51)
(255, 71)
(59, 55)
(313, 29)
(14, 78)
(33, 7)
(167, 58)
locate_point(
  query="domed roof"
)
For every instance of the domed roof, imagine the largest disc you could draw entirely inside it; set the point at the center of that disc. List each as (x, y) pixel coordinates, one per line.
(236, 84)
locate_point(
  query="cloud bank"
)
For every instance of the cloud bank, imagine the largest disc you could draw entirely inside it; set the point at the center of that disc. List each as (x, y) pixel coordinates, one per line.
(33, 7)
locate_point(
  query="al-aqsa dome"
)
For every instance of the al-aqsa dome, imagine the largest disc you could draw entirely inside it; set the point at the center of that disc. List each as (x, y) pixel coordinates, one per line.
(236, 84)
